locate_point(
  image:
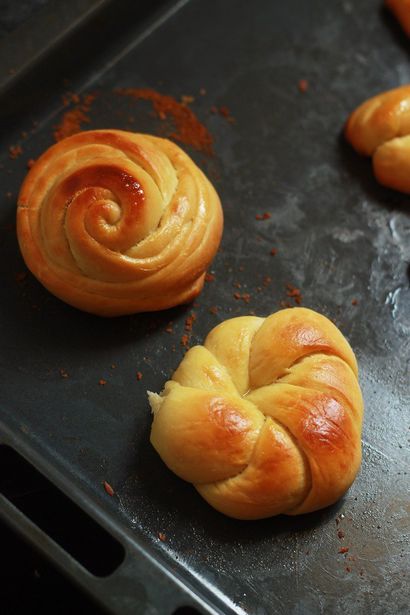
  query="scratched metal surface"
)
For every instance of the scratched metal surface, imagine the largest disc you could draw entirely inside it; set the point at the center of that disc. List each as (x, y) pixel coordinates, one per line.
(339, 237)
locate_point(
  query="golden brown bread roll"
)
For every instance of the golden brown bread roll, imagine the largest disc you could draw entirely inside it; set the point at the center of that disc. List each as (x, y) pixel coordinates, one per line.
(401, 10)
(264, 418)
(114, 222)
(380, 127)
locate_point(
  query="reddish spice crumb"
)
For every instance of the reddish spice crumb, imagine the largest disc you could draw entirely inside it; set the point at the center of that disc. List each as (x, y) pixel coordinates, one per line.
(295, 293)
(113, 365)
(303, 85)
(348, 569)
(30, 163)
(21, 276)
(102, 382)
(343, 549)
(213, 309)
(190, 321)
(185, 340)
(246, 297)
(108, 488)
(237, 285)
(73, 119)
(15, 151)
(162, 536)
(259, 217)
(189, 130)
(209, 277)
(225, 112)
(273, 252)
(63, 373)
(267, 215)
(340, 534)
(266, 280)
(138, 376)
(354, 302)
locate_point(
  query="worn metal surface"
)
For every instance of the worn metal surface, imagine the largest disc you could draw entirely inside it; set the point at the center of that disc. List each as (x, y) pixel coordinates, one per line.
(340, 237)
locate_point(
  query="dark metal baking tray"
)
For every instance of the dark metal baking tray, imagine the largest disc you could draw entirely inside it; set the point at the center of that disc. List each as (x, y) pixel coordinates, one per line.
(341, 238)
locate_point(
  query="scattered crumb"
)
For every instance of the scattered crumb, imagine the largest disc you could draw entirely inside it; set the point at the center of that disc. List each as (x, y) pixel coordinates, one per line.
(102, 382)
(108, 488)
(285, 304)
(340, 534)
(113, 366)
(225, 112)
(30, 163)
(343, 550)
(138, 376)
(185, 341)
(63, 373)
(294, 292)
(236, 285)
(303, 85)
(213, 309)
(354, 302)
(348, 569)
(15, 151)
(246, 297)
(162, 536)
(273, 252)
(190, 321)
(169, 328)
(266, 280)
(202, 91)
(209, 277)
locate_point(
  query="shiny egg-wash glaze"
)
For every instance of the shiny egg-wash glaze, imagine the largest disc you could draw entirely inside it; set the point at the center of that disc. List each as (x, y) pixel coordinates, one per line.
(114, 222)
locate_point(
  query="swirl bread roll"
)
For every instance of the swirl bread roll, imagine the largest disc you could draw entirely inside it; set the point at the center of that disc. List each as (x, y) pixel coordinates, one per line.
(265, 418)
(114, 222)
(380, 127)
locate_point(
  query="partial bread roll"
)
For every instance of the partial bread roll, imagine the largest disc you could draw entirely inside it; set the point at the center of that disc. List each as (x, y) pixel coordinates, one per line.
(264, 418)
(401, 10)
(114, 222)
(380, 127)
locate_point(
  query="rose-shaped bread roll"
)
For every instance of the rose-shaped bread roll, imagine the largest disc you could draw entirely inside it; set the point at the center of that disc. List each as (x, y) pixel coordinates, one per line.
(380, 127)
(264, 418)
(114, 222)
(401, 10)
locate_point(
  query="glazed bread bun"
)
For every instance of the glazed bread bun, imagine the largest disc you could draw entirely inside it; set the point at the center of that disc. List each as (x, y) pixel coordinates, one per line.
(380, 127)
(114, 222)
(401, 10)
(264, 418)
